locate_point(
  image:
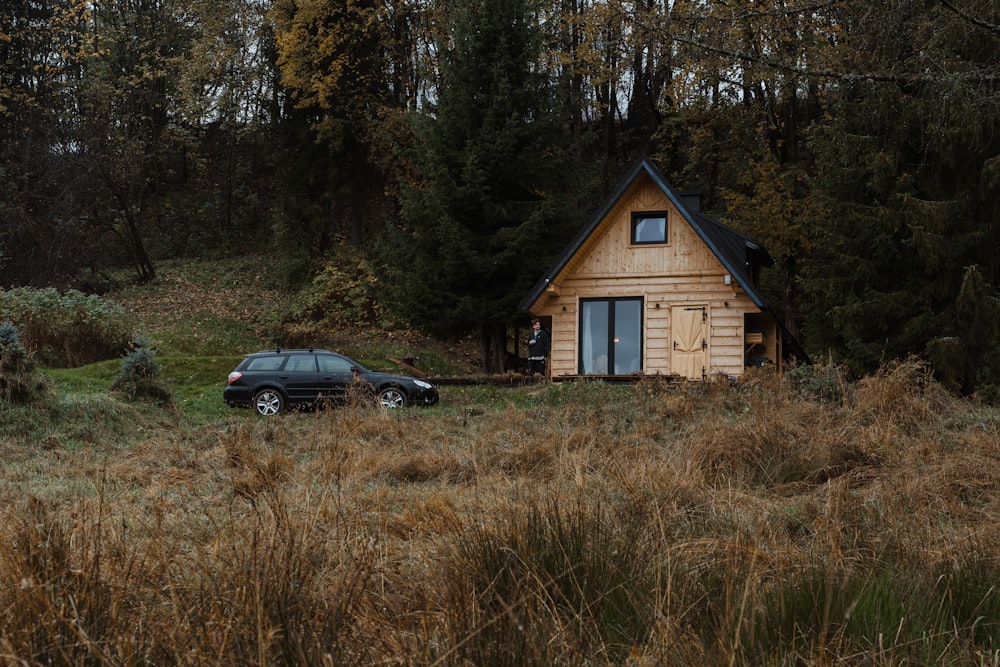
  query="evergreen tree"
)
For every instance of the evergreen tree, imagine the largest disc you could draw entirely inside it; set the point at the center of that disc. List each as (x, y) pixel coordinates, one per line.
(905, 166)
(973, 353)
(488, 207)
(19, 380)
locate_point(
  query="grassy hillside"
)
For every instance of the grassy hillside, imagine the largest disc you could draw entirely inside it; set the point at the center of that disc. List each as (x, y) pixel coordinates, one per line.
(792, 520)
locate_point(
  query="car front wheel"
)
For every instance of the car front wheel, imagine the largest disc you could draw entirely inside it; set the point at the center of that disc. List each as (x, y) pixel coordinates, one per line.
(268, 402)
(391, 397)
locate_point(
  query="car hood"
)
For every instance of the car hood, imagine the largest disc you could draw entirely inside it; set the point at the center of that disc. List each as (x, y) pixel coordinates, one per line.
(376, 377)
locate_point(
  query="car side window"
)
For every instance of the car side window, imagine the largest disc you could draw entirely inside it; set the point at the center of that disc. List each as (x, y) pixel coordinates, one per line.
(329, 363)
(265, 363)
(301, 363)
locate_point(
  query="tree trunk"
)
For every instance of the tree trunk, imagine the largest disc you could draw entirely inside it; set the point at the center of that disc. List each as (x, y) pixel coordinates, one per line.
(493, 348)
(790, 271)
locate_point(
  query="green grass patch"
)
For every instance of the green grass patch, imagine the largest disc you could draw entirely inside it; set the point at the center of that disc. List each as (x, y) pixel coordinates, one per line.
(204, 334)
(71, 420)
(196, 383)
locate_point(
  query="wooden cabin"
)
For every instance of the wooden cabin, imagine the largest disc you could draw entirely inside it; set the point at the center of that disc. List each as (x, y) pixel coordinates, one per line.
(652, 286)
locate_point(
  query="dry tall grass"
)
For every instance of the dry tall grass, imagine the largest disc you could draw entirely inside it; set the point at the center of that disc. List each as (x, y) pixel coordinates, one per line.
(572, 524)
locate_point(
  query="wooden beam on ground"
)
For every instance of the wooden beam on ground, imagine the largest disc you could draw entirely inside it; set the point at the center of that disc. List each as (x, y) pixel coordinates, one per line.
(409, 368)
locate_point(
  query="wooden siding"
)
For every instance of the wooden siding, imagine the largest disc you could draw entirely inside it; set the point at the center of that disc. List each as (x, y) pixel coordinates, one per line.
(609, 251)
(726, 308)
(682, 271)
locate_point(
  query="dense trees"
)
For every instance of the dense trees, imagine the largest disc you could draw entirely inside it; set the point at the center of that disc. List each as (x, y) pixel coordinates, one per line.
(858, 140)
(902, 167)
(492, 201)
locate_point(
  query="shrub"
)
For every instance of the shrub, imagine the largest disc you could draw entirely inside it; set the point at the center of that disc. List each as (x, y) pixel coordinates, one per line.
(343, 293)
(139, 376)
(19, 381)
(66, 329)
(823, 382)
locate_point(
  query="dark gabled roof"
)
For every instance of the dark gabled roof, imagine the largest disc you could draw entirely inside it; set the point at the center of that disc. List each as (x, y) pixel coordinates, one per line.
(732, 248)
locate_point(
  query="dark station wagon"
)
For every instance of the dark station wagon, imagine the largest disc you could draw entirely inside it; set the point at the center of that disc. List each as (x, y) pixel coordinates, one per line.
(275, 380)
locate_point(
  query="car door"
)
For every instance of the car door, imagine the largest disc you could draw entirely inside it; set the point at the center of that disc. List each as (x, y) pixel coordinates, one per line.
(301, 378)
(336, 375)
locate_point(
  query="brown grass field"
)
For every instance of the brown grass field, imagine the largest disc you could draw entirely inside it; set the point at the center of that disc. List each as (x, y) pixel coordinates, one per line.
(783, 521)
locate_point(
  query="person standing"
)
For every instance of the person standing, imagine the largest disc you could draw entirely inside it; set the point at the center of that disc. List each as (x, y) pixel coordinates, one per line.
(538, 349)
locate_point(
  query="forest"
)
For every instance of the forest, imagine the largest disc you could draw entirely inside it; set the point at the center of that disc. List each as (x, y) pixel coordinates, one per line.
(433, 156)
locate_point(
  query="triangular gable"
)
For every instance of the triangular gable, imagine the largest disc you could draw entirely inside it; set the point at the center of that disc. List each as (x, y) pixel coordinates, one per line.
(730, 247)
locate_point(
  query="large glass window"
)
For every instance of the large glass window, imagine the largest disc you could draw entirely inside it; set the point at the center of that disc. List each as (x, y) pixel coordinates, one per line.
(649, 228)
(610, 336)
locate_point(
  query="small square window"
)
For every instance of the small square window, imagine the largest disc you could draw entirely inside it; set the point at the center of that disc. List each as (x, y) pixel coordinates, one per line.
(649, 228)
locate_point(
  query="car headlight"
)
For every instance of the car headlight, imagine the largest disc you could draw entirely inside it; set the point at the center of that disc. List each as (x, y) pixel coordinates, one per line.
(422, 384)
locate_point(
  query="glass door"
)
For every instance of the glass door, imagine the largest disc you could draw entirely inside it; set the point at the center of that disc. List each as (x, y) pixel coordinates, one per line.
(610, 336)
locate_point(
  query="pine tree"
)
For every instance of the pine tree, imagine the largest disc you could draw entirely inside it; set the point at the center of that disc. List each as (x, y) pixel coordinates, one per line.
(488, 206)
(19, 380)
(904, 164)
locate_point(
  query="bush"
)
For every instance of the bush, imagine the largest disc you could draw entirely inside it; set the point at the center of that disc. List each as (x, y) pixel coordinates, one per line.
(820, 382)
(66, 329)
(19, 381)
(343, 293)
(140, 373)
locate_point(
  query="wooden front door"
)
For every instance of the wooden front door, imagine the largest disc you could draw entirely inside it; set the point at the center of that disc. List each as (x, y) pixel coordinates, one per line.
(689, 336)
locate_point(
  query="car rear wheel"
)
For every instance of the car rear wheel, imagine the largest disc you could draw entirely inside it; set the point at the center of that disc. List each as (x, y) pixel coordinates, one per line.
(391, 397)
(268, 402)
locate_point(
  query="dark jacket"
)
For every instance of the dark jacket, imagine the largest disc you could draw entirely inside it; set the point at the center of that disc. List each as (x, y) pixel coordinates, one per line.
(538, 344)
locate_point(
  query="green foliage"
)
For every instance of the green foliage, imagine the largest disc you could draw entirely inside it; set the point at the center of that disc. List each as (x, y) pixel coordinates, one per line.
(139, 376)
(903, 166)
(332, 59)
(969, 357)
(490, 201)
(824, 382)
(66, 328)
(346, 291)
(926, 618)
(19, 379)
(15, 357)
(195, 382)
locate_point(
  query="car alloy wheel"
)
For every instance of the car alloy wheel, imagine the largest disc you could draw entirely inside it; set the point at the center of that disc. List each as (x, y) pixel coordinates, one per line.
(391, 397)
(268, 402)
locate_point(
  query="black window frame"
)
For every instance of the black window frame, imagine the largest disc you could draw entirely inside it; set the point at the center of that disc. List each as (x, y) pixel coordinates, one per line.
(610, 349)
(640, 216)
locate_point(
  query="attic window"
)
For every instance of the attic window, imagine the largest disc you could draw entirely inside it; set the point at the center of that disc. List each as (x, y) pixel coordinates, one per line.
(649, 228)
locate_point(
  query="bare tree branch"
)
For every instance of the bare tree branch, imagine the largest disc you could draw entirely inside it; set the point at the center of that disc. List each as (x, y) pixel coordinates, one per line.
(995, 29)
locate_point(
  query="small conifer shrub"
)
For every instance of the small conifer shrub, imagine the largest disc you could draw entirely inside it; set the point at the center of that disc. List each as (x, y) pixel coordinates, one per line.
(19, 380)
(140, 376)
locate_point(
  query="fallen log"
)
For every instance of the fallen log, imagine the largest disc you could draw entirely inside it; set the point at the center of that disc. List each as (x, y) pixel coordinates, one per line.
(409, 368)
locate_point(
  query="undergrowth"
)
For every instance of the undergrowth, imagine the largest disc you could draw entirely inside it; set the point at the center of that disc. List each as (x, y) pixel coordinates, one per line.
(762, 523)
